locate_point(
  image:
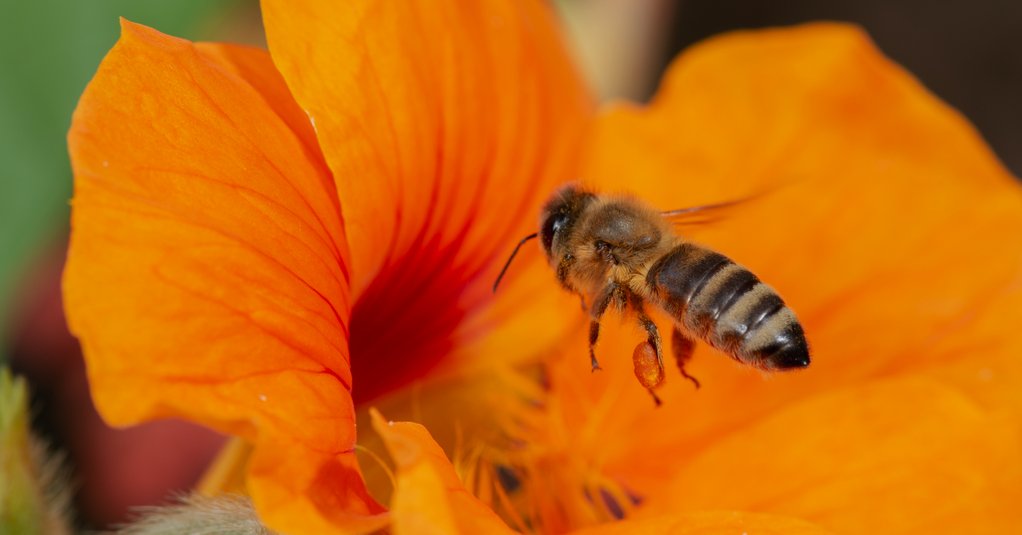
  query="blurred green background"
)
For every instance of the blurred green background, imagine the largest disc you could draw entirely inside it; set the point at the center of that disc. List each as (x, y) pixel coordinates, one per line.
(49, 50)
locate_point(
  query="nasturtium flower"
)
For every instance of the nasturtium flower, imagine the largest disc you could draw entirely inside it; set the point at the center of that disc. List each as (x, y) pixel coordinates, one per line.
(272, 243)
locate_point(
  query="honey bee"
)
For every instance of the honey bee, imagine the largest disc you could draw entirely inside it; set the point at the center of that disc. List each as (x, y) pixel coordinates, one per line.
(620, 251)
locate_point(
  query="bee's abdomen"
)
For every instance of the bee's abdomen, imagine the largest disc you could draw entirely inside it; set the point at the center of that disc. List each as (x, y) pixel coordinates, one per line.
(728, 307)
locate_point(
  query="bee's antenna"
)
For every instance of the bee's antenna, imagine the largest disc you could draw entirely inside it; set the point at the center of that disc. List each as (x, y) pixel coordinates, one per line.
(512, 257)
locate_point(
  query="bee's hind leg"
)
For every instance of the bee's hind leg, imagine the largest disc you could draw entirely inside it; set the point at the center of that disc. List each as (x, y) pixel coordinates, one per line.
(652, 332)
(611, 292)
(682, 346)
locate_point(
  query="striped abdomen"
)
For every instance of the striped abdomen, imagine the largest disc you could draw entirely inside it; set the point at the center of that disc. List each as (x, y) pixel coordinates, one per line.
(728, 307)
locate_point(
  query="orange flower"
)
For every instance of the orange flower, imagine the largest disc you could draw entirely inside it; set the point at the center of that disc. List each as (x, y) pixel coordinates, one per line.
(259, 237)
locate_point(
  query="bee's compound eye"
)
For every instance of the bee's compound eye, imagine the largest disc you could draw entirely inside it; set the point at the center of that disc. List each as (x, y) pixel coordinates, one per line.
(553, 223)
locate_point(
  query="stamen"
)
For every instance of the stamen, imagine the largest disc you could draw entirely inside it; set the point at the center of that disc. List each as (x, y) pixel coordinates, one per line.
(378, 460)
(532, 475)
(507, 506)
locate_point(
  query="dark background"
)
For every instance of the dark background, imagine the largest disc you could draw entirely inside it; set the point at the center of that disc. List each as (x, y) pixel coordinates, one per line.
(967, 52)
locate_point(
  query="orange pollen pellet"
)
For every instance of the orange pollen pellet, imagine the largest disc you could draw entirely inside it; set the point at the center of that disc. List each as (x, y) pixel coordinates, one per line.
(647, 369)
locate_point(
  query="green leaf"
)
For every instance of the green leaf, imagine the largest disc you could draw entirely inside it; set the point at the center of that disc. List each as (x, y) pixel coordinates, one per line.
(33, 491)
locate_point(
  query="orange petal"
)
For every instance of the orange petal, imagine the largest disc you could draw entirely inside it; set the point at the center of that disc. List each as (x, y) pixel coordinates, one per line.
(886, 223)
(709, 523)
(896, 456)
(302, 490)
(228, 472)
(446, 124)
(207, 272)
(428, 496)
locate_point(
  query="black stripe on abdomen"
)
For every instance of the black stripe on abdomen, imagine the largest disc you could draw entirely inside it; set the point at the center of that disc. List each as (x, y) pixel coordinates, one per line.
(680, 274)
(728, 307)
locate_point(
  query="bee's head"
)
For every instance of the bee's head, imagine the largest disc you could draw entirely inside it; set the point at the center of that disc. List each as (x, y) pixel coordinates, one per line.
(560, 214)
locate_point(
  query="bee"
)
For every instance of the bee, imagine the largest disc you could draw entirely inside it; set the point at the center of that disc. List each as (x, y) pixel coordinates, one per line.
(620, 251)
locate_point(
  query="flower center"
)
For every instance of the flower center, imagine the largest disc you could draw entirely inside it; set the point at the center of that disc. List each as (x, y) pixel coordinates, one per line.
(400, 330)
(547, 482)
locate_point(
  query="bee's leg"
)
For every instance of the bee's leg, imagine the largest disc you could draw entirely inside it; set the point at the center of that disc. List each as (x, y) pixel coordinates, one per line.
(651, 330)
(683, 346)
(648, 371)
(603, 300)
(656, 398)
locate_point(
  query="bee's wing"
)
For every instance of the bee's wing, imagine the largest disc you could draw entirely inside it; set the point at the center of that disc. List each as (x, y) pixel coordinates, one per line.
(705, 213)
